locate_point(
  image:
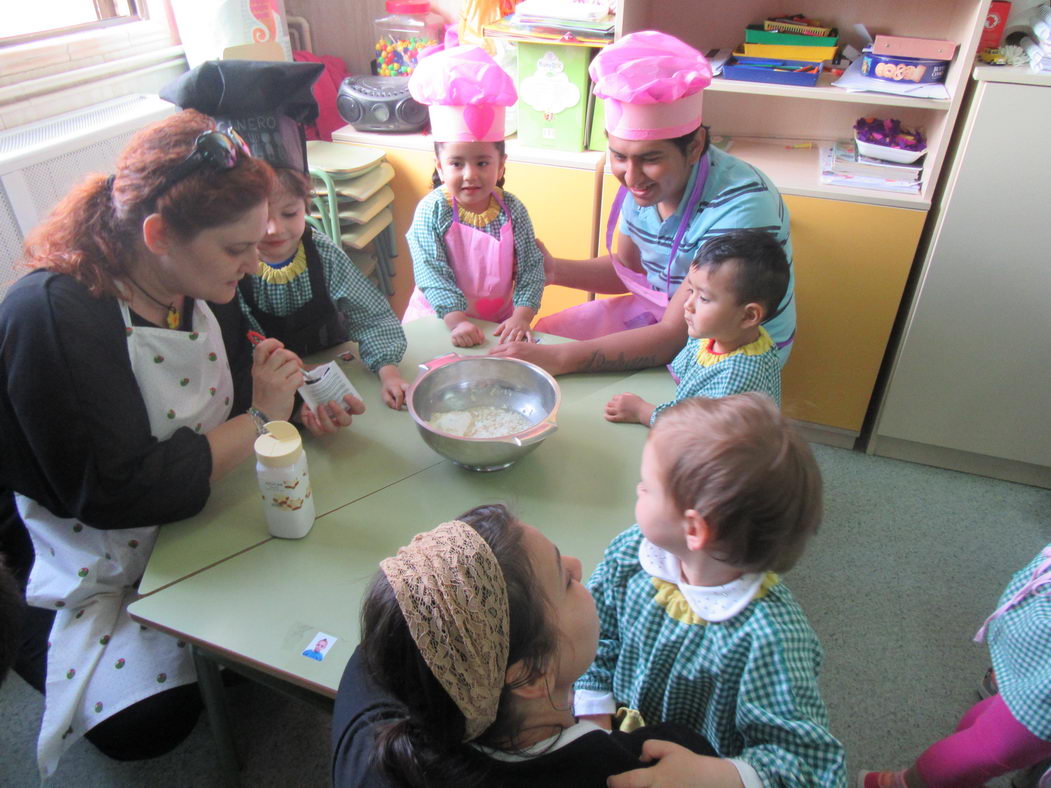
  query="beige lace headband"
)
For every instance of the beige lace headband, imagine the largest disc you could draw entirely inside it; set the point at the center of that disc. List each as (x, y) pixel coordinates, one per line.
(453, 595)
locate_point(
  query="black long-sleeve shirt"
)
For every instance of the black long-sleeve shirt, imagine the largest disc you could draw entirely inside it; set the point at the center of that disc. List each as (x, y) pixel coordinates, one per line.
(361, 707)
(76, 434)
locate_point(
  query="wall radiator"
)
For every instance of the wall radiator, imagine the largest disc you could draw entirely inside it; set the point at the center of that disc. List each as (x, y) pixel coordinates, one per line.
(39, 162)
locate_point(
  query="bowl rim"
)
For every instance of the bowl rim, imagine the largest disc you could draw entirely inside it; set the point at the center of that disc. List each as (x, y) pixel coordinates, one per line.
(424, 424)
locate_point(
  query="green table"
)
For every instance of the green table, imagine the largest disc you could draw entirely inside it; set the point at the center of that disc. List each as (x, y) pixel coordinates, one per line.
(381, 448)
(260, 601)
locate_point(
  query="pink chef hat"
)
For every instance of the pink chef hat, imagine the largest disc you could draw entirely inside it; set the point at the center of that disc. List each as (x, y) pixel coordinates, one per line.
(466, 93)
(652, 84)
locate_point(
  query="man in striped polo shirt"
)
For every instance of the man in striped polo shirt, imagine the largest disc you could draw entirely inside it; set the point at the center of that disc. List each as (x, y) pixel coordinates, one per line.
(677, 192)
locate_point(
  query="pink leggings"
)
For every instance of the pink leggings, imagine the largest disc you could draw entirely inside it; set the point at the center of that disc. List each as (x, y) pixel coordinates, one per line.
(988, 742)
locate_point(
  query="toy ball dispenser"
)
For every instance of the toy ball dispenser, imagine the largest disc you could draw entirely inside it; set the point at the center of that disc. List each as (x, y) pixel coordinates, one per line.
(408, 28)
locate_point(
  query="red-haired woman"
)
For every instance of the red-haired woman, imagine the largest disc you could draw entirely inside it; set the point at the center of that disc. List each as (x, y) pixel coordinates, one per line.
(126, 387)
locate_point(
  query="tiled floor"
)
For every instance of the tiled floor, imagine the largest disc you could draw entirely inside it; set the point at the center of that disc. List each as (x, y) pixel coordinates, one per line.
(907, 565)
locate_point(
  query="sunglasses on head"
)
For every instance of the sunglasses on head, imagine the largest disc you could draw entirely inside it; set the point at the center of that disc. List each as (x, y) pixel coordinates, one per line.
(220, 150)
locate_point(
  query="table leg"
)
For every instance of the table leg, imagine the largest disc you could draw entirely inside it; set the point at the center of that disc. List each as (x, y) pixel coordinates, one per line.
(211, 685)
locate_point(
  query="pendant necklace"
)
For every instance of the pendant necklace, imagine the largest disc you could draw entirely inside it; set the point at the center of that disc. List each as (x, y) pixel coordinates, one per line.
(172, 318)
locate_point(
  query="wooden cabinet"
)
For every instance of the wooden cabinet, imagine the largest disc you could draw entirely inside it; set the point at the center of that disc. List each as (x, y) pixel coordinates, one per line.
(968, 388)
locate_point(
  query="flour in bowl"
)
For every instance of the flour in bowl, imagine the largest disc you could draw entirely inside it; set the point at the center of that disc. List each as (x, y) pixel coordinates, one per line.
(481, 422)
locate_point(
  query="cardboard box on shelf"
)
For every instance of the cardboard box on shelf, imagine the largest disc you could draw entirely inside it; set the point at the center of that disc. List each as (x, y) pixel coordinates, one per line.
(553, 87)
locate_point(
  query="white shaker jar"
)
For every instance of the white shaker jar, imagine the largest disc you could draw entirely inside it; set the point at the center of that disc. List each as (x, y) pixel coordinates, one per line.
(284, 482)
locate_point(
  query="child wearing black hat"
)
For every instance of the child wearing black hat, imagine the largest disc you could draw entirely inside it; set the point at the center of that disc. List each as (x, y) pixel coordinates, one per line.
(307, 293)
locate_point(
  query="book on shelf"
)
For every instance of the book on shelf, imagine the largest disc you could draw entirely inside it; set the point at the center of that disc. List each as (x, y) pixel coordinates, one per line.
(549, 31)
(887, 182)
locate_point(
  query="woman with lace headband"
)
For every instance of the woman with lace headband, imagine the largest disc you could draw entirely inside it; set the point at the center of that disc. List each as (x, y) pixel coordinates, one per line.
(471, 639)
(128, 387)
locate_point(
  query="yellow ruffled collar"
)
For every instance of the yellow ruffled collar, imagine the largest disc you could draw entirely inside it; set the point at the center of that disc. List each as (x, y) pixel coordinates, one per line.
(285, 272)
(706, 357)
(478, 219)
(670, 597)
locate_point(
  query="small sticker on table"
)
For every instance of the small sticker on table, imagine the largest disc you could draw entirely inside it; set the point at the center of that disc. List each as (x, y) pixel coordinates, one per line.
(319, 646)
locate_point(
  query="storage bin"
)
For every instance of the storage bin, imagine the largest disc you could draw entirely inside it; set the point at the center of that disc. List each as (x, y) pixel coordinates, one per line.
(780, 72)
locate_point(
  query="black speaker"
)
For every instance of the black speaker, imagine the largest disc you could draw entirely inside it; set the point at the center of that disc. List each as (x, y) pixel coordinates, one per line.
(380, 104)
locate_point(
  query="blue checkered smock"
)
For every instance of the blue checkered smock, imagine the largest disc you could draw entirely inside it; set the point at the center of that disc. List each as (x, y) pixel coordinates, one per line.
(748, 684)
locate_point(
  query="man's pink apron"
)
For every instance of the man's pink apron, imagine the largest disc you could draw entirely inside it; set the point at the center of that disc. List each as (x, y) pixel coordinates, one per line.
(484, 268)
(645, 306)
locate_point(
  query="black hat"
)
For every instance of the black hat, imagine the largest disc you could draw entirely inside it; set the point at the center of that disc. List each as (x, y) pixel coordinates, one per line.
(266, 102)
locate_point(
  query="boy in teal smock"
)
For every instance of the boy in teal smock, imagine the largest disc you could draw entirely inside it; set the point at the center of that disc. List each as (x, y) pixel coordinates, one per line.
(733, 286)
(694, 626)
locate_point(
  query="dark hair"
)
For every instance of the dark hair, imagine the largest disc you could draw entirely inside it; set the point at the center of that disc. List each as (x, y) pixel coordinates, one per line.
(12, 615)
(683, 142)
(740, 464)
(96, 230)
(426, 746)
(295, 182)
(436, 179)
(760, 271)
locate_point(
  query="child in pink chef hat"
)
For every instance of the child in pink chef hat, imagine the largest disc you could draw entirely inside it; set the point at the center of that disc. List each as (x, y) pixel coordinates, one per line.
(474, 254)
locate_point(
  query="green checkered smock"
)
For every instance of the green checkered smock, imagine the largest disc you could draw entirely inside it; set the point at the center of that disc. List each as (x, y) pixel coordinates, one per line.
(747, 684)
(1020, 645)
(370, 320)
(430, 265)
(754, 367)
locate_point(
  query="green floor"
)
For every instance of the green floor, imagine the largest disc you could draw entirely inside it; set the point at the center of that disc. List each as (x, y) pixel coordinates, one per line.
(909, 562)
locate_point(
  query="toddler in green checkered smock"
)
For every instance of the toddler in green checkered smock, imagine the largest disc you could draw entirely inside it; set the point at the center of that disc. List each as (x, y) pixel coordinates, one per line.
(733, 287)
(695, 626)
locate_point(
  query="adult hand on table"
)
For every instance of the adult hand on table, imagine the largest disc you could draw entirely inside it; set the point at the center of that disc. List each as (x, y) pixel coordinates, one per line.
(677, 767)
(276, 374)
(332, 416)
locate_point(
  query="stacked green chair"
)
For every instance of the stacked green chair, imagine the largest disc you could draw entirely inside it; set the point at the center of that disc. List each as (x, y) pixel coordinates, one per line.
(352, 205)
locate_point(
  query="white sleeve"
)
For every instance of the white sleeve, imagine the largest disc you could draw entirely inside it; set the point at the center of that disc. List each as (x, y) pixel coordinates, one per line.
(749, 776)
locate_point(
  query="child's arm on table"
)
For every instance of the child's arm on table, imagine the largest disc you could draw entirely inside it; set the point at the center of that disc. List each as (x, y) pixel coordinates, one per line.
(517, 328)
(529, 276)
(392, 386)
(434, 276)
(464, 333)
(370, 321)
(629, 409)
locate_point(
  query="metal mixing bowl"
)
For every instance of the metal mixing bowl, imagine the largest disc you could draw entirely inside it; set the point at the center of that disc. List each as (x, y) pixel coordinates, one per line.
(455, 383)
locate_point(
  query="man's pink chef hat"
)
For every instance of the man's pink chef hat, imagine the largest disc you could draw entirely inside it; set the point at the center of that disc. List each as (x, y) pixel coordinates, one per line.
(466, 94)
(652, 84)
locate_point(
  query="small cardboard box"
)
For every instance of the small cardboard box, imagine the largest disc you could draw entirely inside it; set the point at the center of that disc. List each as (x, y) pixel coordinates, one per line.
(553, 86)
